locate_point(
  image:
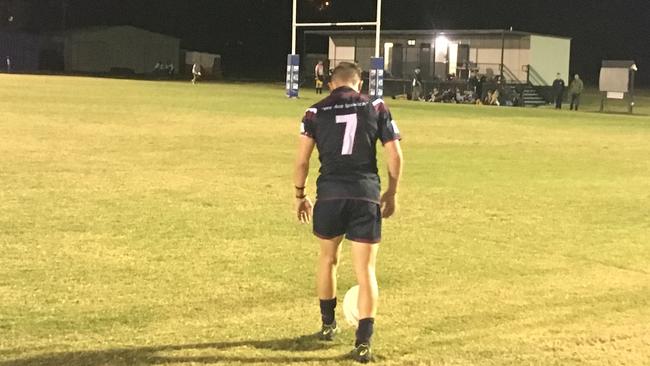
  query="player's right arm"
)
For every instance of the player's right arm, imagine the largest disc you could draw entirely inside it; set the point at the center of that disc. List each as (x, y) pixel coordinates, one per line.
(301, 168)
(394, 159)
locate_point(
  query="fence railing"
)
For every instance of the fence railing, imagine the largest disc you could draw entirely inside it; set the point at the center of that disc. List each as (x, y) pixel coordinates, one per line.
(533, 77)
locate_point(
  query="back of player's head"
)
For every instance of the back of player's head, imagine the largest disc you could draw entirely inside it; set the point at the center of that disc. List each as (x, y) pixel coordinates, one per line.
(347, 72)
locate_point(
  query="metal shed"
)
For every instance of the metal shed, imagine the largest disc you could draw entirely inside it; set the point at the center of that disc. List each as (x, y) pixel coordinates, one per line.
(118, 49)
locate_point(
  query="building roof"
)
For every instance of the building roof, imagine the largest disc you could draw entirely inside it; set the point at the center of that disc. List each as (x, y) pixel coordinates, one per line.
(101, 28)
(431, 32)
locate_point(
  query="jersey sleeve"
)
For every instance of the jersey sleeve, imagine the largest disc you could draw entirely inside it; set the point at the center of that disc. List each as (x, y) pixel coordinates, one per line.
(308, 124)
(387, 127)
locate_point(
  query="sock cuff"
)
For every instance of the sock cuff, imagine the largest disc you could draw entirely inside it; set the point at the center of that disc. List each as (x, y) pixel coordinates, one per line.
(367, 320)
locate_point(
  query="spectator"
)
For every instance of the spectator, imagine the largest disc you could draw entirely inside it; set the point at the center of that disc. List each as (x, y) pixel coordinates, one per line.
(575, 90)
(472, 83)
(494, 98)
(417, 84)
(8, 64)
(196, 72)
(448, 96)
(480, 87)
(435, 96)
(459, 97)
(558, 91)
(319, 75)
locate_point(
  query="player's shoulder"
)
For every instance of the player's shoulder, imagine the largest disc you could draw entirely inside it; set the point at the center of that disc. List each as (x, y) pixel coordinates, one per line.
(320, 106)
(379, 105)
(311, 113)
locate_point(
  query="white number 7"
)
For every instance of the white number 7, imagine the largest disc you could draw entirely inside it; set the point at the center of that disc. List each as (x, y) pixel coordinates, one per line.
(350, 121)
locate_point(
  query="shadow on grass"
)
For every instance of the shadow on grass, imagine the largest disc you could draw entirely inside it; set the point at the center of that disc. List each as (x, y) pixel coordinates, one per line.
(150, 355)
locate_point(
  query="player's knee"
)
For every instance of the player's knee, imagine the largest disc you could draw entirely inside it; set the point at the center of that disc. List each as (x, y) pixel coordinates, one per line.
(328, 259)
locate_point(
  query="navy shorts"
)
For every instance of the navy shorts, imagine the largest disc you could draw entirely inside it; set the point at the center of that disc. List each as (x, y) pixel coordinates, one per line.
(359, 220)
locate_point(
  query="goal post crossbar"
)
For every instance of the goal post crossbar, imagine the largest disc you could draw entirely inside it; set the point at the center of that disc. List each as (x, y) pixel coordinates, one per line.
(376, 74)
(344, 24)
(295, 25)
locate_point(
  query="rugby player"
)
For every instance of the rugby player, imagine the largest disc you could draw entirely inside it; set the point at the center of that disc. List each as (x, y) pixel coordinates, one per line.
(345, 128)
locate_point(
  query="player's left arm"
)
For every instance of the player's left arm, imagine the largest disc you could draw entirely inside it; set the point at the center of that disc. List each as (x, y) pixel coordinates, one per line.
(301, 171)
(390, 137)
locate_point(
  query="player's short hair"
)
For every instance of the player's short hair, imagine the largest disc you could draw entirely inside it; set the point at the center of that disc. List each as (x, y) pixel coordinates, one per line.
(346, 71)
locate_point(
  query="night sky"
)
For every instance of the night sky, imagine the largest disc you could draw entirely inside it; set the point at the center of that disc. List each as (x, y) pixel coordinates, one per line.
(254, 35)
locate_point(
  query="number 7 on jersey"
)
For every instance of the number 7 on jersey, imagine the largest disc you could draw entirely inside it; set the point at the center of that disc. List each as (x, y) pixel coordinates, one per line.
(350, 121)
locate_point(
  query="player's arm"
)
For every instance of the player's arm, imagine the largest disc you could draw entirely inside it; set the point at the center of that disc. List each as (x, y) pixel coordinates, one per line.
(301, 170)
(394, 159)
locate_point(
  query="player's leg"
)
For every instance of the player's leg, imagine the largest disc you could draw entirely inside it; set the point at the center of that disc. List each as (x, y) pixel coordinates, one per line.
(364, 258)
(364, 231)
(329, 228)
(328, 260)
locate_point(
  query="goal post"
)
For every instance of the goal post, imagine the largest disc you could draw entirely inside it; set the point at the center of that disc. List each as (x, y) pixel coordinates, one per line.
(376, 72)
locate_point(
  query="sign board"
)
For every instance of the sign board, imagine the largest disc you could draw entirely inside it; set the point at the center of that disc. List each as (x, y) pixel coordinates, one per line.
(615, 95)
(617, 81)
(614, 80)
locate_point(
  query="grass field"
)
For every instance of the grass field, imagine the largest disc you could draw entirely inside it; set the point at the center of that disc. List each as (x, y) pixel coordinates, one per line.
(149, 223)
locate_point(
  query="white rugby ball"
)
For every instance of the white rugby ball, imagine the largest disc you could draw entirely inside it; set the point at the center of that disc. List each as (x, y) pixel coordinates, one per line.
(351, 306)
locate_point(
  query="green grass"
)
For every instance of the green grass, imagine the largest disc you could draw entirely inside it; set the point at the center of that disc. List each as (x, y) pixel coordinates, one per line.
(147, 223)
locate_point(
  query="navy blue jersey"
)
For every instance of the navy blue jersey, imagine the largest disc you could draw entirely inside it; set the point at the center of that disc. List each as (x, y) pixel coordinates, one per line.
(346, 126)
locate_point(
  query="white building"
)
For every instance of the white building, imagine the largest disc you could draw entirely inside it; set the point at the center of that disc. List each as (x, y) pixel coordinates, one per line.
(519, 56)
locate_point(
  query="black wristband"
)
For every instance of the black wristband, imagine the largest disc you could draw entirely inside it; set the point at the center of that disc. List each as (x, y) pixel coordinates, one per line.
(300, 188)
(301, 197)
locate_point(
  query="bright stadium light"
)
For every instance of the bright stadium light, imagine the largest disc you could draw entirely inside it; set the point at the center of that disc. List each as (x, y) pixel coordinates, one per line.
(442, 42)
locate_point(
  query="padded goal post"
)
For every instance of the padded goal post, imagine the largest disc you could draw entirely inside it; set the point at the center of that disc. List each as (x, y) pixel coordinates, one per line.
(376, 82)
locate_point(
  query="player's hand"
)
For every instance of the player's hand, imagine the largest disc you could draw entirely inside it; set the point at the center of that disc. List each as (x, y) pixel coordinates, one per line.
(304, 209)
(388, 204)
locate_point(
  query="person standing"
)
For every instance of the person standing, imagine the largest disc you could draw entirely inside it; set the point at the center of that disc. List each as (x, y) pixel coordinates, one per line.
(417, 84)
(558, 91)
(349, 202)
(319, 75)
(575, 90)
(8, 64)
(472, 83)
(480, 89)
(196, 72)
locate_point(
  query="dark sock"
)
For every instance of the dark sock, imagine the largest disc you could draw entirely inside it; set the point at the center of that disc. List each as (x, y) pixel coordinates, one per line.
(327, 311)
(364, 332)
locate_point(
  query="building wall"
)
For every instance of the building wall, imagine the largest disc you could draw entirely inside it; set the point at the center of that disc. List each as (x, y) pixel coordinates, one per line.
(484, 50)
(489, 60)
(548, 56)
(23, 50)
(341, 49)
(100, 50)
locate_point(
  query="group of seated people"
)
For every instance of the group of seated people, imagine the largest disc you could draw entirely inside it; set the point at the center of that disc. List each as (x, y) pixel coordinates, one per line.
(451, 96)
(492, 93)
